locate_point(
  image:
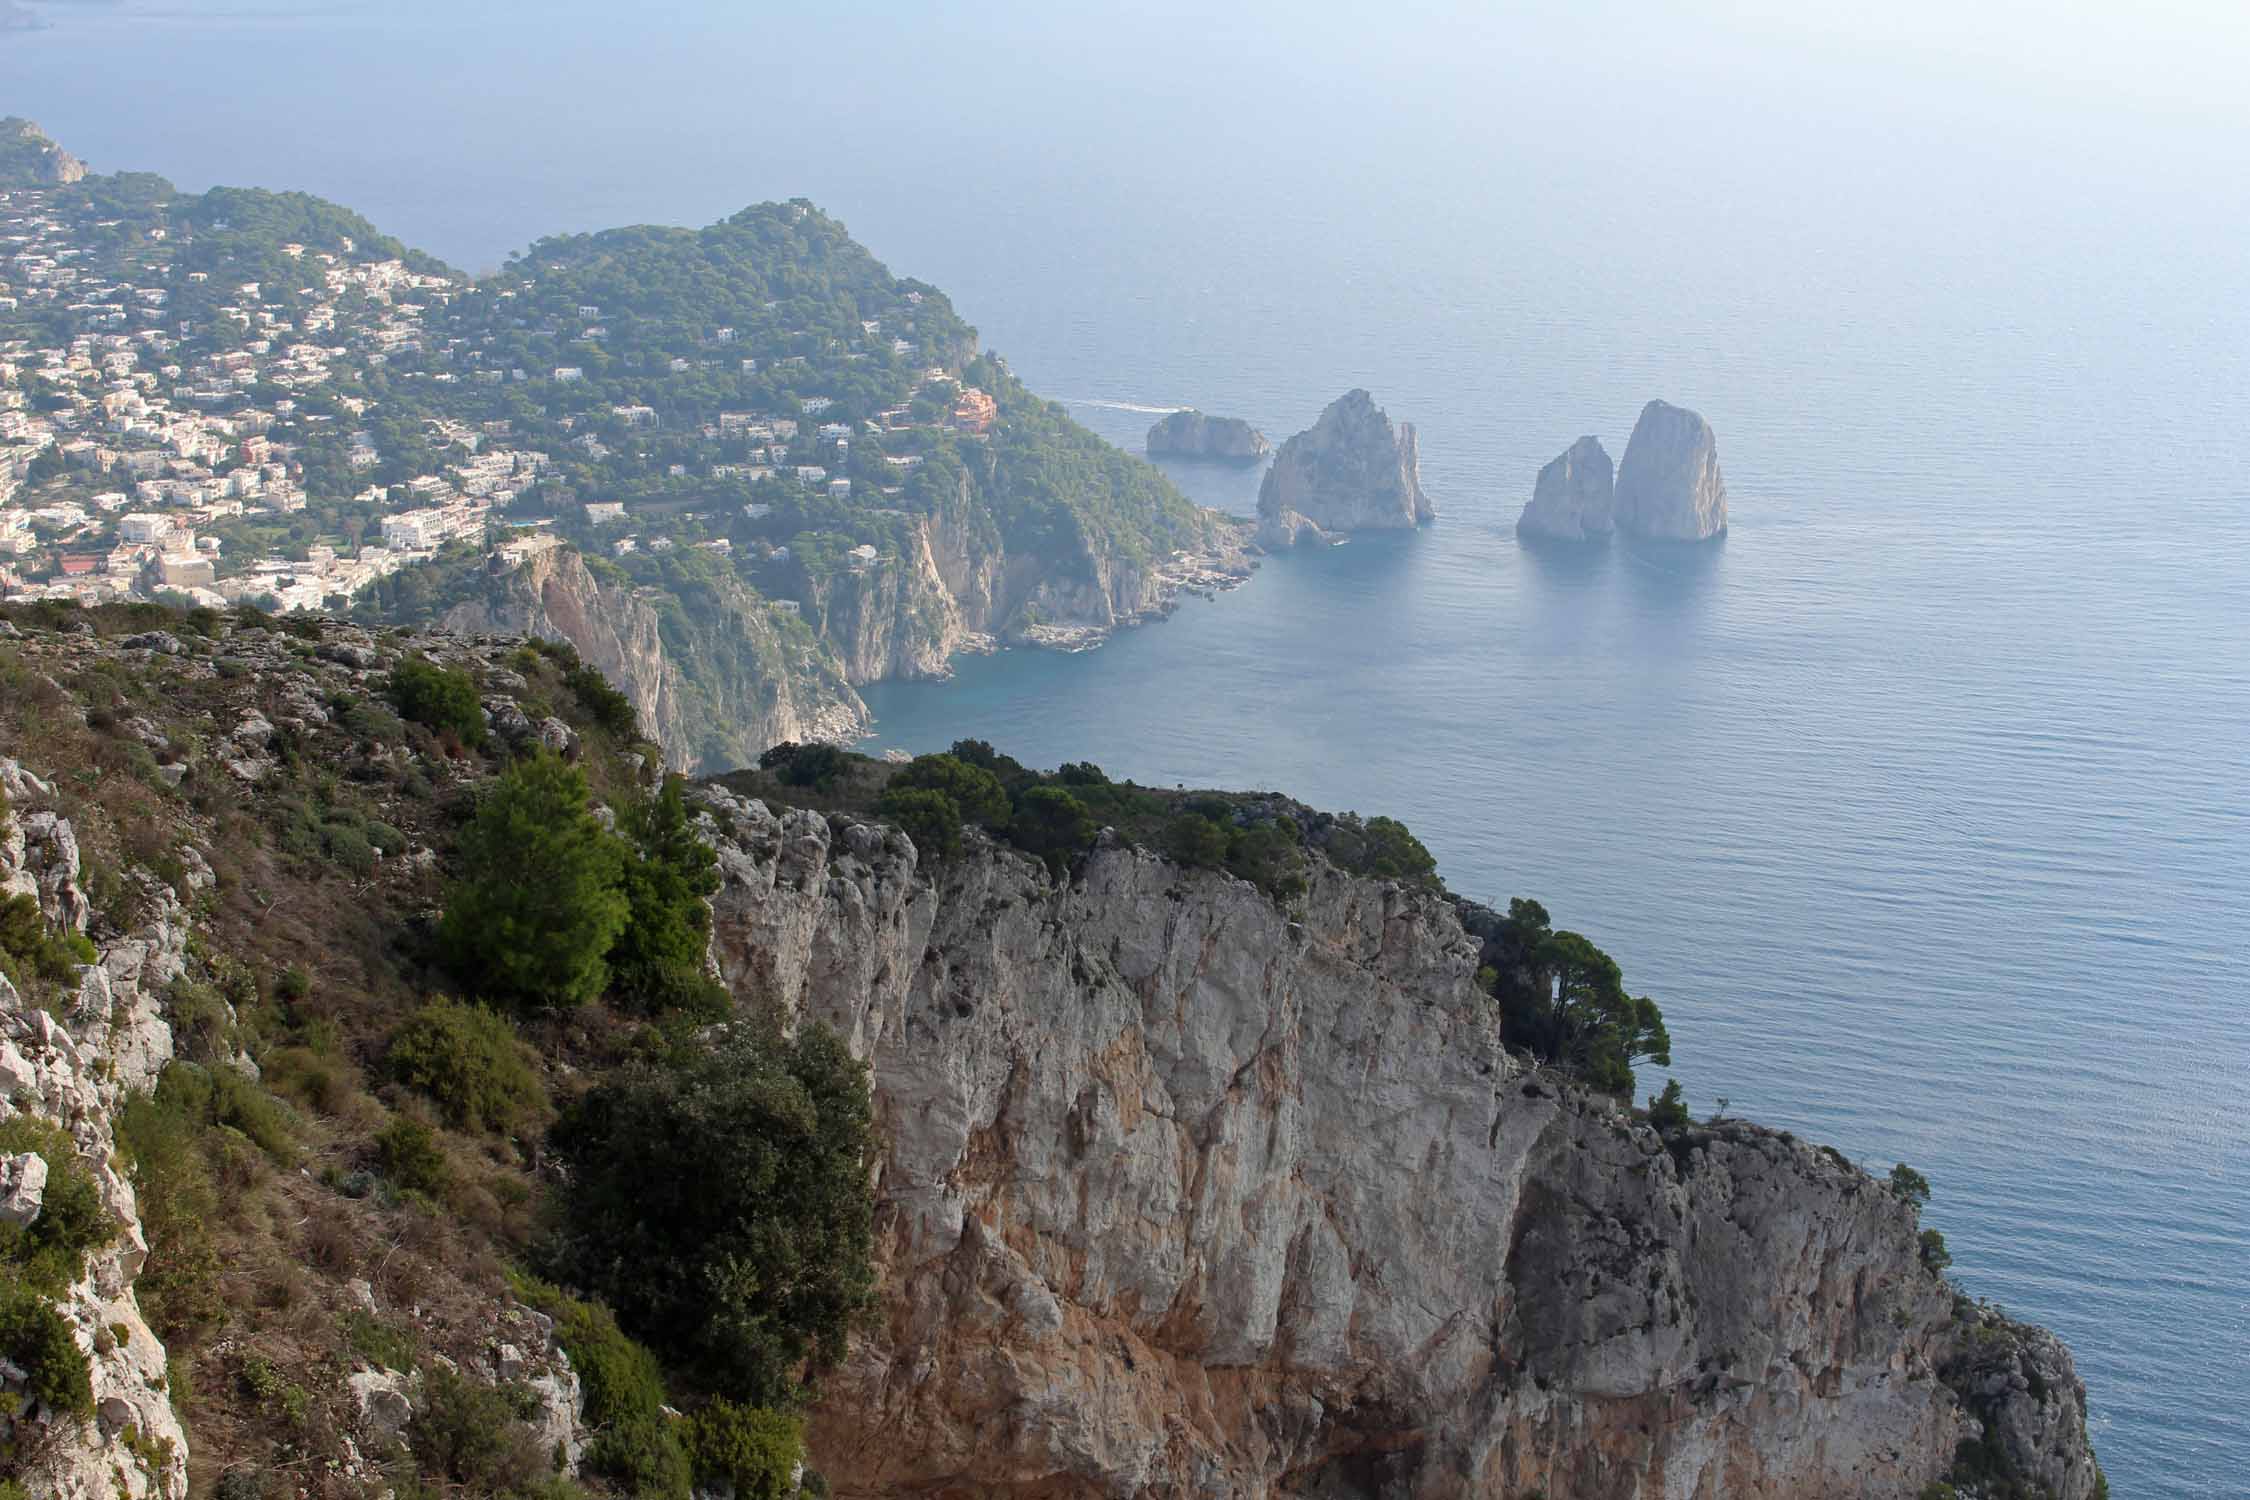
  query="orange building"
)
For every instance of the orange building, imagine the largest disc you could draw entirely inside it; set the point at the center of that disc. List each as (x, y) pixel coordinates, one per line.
(974, 411)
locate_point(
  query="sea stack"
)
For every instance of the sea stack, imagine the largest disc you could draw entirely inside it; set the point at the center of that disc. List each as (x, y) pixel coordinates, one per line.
(1669, 487)
(1575, 497)
(1350, 471)
(1192, 434)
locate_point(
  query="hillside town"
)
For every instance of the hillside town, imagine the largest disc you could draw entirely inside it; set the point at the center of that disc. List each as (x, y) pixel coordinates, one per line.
(168, 432)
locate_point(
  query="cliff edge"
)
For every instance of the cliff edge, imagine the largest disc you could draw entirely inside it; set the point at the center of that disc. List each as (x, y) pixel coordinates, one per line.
(1189, 1193)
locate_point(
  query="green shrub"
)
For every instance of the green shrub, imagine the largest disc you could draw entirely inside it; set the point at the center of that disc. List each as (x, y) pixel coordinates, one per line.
(1668, 1111)
(750, 1449)
(32, 948)
(604, 704)
(1193, 840)
(1935, 1257)
(409, 1154)
(470, 1063)
(179, 1284)
(469, 1433)
(1910, 1185)
(975, 791)
(391, 1345)
(49, 1253)
(39, 1341)
(371, 721)
(350, 847)
(1052, 824)
(443, 698)
(218, 1096)
(929, 818)
(816, 766)
(721, 1205)
(538, 904)
(635, 1442)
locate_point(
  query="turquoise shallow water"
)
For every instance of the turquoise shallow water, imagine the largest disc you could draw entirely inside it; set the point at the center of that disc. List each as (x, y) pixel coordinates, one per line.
(1922, 802)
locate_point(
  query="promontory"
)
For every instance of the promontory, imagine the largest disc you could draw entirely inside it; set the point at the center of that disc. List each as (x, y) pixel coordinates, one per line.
(1350, 471)
(1192, 434)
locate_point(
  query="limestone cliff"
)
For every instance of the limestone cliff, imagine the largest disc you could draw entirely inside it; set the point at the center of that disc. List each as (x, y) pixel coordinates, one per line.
(1349, 471)
(714, 690)
(954, 584)
(1194, 435)
(1188, 1194)
(1668, 486)
(72, 1064)
(1574, 497)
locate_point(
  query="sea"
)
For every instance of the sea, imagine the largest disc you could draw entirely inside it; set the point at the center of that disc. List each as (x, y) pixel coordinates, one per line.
(1921, 801)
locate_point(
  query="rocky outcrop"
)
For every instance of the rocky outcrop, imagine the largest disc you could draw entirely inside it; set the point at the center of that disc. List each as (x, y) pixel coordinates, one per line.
(1185, 1194)
(1350, 471)
(1669, 487)
(1574, 498)
(72, 1063)
(734, 688)
(1193, 435)
(27, 157)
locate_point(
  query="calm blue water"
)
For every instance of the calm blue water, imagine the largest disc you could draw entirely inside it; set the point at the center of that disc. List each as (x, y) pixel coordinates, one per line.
(1922, 802)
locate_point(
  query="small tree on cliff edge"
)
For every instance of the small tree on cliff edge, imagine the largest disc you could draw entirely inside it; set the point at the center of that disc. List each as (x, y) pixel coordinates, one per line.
(538, 903)
(1564, 999)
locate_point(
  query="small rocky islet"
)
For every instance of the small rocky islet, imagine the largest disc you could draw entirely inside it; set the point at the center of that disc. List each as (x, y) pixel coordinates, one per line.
(1668, 488)
(1199, 437)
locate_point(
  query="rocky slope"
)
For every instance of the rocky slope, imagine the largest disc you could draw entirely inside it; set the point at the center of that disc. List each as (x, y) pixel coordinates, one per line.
(730, 682)
(1192, 434)
(1574, 498)
(1668, 485)
(1349, 471)
(1188, 1194)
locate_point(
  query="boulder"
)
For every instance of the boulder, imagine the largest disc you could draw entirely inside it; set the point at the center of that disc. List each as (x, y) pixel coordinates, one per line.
(1192, 434)
(1669, 487)
(1574, 498)
(379, 1399)
(1350, 471)
(23, 1187)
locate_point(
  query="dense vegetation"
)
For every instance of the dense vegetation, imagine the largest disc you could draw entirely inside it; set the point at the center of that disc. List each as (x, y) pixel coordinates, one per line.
(391, 1135)
(1056, 816)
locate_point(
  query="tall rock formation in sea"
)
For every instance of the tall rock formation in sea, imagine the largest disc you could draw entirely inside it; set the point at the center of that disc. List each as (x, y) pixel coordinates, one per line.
(1575, 497)
(1193, 434)
(1669, 487)
(1187, 1193)
(1350, 471)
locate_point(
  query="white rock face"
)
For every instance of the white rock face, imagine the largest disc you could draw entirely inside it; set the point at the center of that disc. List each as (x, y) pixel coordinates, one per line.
(23, 1186)
(1574, 498)
(1183, 1194)
(1350, 471)
(1669, 487)
(77, 1072)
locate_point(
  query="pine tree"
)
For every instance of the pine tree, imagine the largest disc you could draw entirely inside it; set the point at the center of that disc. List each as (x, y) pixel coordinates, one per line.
(539, 900)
